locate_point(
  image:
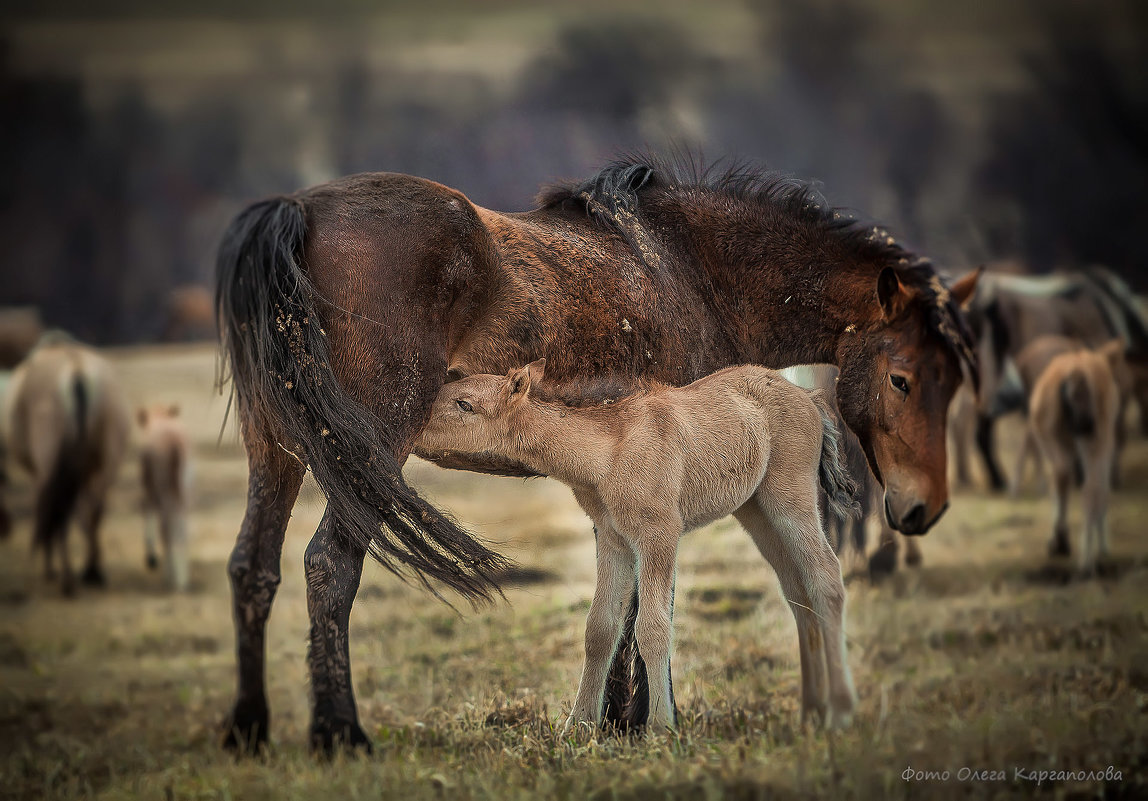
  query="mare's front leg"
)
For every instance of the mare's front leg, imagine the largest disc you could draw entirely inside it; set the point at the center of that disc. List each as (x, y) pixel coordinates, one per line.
(615, 581)
(333, 566)
(272, 485)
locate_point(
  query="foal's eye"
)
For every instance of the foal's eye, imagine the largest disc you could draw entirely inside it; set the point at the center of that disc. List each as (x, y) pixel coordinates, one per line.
(465, 406)
(899, 383)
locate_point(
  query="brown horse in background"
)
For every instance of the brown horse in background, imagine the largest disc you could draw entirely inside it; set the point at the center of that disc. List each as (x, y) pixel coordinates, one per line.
(1073, 414)
(1010, 311)
(344, 307)
(67, 426)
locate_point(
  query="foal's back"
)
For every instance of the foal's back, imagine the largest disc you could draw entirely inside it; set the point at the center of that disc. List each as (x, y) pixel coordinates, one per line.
(709, 445)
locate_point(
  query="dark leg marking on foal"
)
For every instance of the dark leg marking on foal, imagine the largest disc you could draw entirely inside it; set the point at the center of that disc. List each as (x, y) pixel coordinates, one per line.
(254, 571)
(334, 567)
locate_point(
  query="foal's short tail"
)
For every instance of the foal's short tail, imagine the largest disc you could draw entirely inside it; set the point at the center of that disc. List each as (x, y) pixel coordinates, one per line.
(280, 363)
(833, 471)
(1077, 403)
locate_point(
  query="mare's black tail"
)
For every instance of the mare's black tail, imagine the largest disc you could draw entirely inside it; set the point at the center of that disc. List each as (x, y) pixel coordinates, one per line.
(280, 365)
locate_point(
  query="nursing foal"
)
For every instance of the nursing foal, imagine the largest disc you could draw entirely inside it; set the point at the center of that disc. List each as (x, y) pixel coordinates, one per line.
(649, 467)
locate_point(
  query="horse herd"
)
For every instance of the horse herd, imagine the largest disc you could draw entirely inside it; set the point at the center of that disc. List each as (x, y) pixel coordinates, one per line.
(618, 338)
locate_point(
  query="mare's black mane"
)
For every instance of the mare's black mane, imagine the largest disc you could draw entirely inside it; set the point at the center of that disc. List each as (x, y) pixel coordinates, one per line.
(612, 197)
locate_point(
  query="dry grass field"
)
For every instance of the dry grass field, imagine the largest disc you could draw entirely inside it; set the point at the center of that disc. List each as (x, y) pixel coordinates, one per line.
(986, 658)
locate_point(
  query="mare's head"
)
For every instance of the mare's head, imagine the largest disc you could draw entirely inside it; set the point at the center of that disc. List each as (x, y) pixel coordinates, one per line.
(899, 370)
(475, 414)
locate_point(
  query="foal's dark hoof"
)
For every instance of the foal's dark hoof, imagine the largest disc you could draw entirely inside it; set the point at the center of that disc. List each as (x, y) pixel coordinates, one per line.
(94, 577)
(245, 730)
(883, 562)
(326, 739)
(5, 524)
(152, 562)
(913, 558)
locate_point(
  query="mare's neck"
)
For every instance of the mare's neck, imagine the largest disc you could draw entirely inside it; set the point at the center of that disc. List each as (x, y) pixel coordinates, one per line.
(786, 292)
(570, 444)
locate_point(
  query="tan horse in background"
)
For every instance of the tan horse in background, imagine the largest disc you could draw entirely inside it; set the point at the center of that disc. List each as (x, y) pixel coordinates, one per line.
(68, 427)
(165, 469)
(1073, 412)
(650, 467)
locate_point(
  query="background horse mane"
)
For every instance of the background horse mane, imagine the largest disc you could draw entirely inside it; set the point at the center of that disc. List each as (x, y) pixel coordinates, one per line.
(612, 197)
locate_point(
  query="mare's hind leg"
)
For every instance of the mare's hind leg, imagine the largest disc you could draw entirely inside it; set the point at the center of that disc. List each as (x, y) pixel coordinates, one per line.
(272, 485)
(333, 567)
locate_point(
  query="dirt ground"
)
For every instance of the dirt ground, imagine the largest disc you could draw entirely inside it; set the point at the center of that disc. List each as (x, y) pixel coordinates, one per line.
(987, 658)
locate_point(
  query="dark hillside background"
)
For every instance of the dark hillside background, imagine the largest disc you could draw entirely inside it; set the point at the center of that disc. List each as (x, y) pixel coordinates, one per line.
(976, 131)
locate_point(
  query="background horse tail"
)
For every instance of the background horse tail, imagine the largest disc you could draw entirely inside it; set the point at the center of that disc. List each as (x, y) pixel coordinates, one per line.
(1078, 404)
(276, 350)
(833, 471)
(1125, 317)
(61, 489)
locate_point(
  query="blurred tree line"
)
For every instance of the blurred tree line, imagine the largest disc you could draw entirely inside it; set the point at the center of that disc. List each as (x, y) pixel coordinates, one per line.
(105, 207)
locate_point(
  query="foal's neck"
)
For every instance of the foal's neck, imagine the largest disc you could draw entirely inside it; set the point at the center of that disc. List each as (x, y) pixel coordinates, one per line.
(572, 445)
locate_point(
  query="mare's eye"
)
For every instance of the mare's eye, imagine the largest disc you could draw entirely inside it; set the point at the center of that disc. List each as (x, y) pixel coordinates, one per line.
(465, 406)
(899, 383)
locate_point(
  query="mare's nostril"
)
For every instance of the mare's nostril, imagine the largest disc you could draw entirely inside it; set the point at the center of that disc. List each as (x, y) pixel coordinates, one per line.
(914, 521)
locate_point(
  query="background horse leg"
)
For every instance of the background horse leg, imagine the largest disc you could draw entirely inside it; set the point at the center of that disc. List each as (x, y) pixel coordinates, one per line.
(333, 566)
(91, 514)
(272, 486)
(986, 444)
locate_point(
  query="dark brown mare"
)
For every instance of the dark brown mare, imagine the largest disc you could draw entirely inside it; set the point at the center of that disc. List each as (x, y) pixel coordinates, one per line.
(343, 307)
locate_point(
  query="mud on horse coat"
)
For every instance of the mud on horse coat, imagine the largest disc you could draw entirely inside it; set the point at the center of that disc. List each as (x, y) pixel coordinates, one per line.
(342, 308)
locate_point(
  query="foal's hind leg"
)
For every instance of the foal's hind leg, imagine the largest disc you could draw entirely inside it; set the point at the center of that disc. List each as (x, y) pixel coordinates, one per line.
(656, 547)
(272, 485)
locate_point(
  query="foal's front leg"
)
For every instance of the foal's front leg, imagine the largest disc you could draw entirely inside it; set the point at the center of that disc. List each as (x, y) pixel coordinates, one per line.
(615, 581)
(657, 556)
(334, 567)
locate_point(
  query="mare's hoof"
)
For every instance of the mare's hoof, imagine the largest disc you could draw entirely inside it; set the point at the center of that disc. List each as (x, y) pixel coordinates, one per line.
(245, 730)
(152, 562)
(329, 738)
(1059, 546)
(5, 525)
(94, 577)
(913, 558)
(883, 562)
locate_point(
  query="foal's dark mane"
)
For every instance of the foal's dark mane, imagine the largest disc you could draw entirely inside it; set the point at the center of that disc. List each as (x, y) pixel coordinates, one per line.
(588, 392)
(612, 198)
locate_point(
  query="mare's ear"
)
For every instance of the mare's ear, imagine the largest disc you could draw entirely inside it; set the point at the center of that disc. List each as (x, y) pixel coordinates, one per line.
(141, 416)
(518, 384)
(537, 369)
(962, 291)
(891, 293)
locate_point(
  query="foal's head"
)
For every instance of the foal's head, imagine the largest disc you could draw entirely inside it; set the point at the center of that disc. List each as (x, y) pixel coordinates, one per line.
(898, 373)
(475, 414)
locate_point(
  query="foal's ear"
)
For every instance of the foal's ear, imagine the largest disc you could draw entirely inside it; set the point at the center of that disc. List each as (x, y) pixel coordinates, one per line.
(537, 369)
(141, 416)
(173, 410)
(891, 293)
(455, 373)
(963, 289)
(518, 383)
